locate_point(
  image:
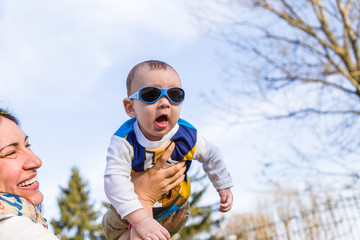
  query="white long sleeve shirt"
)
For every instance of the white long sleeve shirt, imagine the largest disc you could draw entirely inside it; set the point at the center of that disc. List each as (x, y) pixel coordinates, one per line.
(22, 228)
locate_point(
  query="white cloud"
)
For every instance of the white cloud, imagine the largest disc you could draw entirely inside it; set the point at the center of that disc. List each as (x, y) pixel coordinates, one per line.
(48, 45)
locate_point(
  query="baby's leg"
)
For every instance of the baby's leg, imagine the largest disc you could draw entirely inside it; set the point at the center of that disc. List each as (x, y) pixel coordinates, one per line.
(114, 227)
(125, 236)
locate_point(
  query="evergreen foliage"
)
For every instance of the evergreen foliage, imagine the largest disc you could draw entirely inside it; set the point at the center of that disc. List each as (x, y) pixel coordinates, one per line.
(78, 217)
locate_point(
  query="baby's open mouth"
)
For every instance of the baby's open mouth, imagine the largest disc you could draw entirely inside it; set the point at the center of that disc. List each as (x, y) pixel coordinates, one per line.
(27, 183)
(162, 122)
(162, 118)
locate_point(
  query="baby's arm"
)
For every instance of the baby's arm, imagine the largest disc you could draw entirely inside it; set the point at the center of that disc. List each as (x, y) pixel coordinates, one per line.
(215, 168)
(226, 199)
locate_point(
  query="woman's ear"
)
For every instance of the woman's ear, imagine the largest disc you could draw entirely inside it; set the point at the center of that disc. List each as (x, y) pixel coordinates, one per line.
(129, 109)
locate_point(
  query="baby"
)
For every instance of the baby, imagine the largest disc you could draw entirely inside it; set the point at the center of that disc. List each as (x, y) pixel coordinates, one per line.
(154, 102)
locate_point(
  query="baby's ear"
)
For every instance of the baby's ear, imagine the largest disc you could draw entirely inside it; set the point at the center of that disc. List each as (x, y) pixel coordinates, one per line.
(129, 109)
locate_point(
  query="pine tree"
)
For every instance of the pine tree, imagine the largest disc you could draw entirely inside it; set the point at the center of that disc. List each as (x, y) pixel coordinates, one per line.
(77, 220)
(201, 218)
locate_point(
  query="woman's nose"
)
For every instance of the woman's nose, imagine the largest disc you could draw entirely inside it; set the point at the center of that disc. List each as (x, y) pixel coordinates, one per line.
(31, 160)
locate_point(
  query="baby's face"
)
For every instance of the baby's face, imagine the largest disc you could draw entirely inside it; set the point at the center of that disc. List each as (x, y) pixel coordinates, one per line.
(156, 119)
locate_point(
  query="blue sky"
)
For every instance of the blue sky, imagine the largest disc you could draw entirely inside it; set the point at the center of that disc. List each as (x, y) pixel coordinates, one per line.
(63, 66)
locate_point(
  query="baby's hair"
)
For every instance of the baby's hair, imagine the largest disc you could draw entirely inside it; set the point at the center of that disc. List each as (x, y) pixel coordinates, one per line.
(151, 64)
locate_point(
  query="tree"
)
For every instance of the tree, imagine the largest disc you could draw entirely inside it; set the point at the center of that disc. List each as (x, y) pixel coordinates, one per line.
(78, 217)
(297, 60)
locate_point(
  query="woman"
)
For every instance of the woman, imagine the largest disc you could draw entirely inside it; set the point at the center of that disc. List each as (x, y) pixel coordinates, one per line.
(19, 188)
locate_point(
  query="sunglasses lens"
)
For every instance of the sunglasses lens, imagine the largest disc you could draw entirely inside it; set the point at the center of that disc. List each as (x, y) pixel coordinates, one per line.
(150, 94)
(176, 95)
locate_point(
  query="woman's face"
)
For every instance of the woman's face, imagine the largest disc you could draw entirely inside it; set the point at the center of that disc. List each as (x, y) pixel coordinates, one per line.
(18, 164)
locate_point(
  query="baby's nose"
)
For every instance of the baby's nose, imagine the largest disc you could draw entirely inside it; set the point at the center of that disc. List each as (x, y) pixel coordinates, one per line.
(164, 101)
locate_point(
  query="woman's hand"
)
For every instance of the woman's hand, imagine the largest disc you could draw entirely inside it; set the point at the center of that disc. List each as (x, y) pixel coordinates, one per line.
(156, 181)
(175, 222)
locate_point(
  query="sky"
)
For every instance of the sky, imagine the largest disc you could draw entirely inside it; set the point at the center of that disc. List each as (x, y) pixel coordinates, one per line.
(63, 66)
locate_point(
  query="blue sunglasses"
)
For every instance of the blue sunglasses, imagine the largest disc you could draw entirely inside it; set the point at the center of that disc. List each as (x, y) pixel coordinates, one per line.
(151, 94)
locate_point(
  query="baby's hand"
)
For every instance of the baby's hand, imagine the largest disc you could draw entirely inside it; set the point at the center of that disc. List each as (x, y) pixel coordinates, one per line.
(150, 229)
(226, 199)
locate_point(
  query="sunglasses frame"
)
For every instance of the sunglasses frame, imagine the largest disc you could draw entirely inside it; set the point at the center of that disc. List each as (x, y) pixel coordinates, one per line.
(163, 91)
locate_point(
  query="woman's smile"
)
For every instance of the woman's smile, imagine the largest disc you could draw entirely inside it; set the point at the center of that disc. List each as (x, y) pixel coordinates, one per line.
(28, 182)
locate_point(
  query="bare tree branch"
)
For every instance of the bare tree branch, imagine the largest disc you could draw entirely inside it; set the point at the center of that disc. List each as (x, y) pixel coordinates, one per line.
(303, 61)
(305, 112)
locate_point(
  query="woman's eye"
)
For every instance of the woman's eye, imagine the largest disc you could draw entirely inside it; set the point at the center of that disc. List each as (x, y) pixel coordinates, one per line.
(9, 154)
(28, 145)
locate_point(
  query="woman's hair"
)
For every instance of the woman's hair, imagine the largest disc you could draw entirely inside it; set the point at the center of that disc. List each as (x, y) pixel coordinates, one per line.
(6, 114)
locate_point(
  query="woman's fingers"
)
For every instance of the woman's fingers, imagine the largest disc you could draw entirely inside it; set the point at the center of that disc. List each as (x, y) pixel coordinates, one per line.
(166, 155)
(179, 176)
(175, 175)
(174, 184)
(172, 171)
